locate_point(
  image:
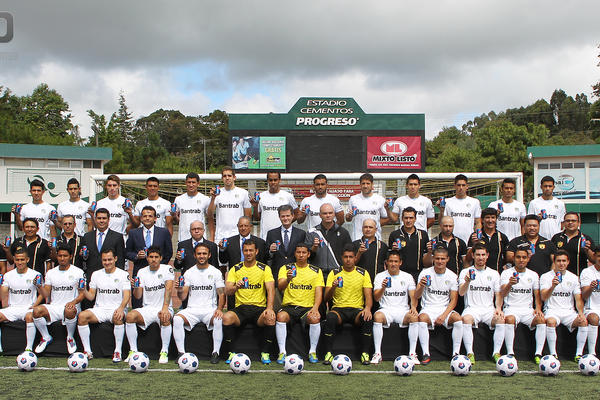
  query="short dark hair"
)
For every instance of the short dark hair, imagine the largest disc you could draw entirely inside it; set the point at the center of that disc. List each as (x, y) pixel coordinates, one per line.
(285, 207)
(441, 249)
(413, 177)
(562, 252)
(510, 181)
(21, 250)
(103, 211)
(460, 177)
(480, 246)
(228, 168)
(349, 247)
(529, 217)
(109, 250)
(409, 209)
(113, 178)
(547, 178)
(302, 244)
(572, 213)
(37, 183)
(202, 244)
(319, 176)
(366, 177)
(274, 172)
(489, 211)
(524, 248)
(249, 242)
(192, 175)
(35, 221)
(149, 208)
(64, 247)
(153, 179)
(395, 253)
(154, 249)
(73, 181)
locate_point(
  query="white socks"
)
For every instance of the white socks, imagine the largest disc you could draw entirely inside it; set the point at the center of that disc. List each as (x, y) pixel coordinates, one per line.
(217, 335)
(457, 335)
(377, 336)
(30, 335)
(424, 337)
(413, 334)
(591, 339)
(119, 332)
(42, 327)
(551, 338)
(179, 334)
(582, 334)
(84, 334)
(509, 338)
(468, 338)
(499, 331)
(281, 333)
(71, 324)
(540, 338)
(132, 334)
(314, 332)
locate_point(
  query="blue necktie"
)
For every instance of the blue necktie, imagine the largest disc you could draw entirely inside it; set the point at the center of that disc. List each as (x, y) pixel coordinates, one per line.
(242, 249)
(286, 239)
(196, 244)
(148, 239)
(100, 234)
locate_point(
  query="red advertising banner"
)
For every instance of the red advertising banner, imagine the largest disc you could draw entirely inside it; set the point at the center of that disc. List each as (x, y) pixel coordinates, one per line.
(394, 152)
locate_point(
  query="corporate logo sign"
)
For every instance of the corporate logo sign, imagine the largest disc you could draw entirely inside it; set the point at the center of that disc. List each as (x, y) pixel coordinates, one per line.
(395, 152)
(327, 112)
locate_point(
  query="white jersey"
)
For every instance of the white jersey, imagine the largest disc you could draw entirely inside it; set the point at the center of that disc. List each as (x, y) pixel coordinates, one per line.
(78, 209)
(64, 284)
(109, 287)
(372, 207)
(509, 220)
(191, 209)
(482, 289)
(41, 212)
(21, 290)
(314, 203)
(154, 283)
(563, 295)
(396, 296)
(587, 276)
(521, 294)
(422, 204)
(268, 205)
(118, 216)
(229, 206)
(463, 212)
(203, 284)
(162, 207)
(555, 209)
(437, 295)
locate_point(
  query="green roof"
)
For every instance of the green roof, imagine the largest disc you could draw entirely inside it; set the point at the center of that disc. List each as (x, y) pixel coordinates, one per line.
(564, 151)
(55, 152)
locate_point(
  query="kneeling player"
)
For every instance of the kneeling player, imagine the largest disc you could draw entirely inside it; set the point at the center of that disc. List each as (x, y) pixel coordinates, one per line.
(438, 291)
(590, 293)
(520, 287)
(392, 289)
(560, 291)
(63, 286)
(112, 290)
(203, 286)
(302, 287)
(155, 283)
(480, 285)
(352, 293)
(21, 285)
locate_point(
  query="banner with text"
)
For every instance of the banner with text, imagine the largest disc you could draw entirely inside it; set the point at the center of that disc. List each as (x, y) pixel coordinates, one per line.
(258, 152)
(389, 152)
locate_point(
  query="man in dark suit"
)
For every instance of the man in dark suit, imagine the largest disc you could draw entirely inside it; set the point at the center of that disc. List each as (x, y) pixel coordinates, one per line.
(282, 241)
(188, 260)
(231, 253)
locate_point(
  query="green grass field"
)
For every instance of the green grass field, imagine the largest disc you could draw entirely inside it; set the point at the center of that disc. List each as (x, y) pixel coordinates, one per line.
(119, 383)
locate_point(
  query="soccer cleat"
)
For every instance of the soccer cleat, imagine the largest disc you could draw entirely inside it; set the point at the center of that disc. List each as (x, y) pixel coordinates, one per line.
(231, 354)
(364, 359)
(26, 349)
(328, 358)
(577, 357)
(214, 358)
(426, 359)
(265, 358)
(71, 345)
(471, 357)
(496, 357)
(43, 344)
(376, 359)
(89, 355)
(164, 357)
(415, 359)
(312, 358)
(537, 358)
(281, 358)
(129, 355)
(116, 357)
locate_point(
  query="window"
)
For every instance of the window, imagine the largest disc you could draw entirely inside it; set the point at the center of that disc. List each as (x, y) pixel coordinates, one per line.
(542, 166)
(76, 164)
(97, 164)
(52, 164)
(87, 163)
(595, 165)
(578, 165)
(567, 165)
(555, 166)
(17, 162)
(63, 163)
(38, 163)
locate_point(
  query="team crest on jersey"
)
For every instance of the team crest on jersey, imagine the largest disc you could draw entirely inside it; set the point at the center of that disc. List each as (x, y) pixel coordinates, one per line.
(116, 280)
(159, 276)
(28, 281)
(529, 280)
(483, 242)
(171, 270)
(468, 205)
(402, 283)
(559, 244)
(71, 277)
(210, 277)
(542, 246)
(447, 282)
(556, 206)
(403, 243)
(489, 278)
(235, 195)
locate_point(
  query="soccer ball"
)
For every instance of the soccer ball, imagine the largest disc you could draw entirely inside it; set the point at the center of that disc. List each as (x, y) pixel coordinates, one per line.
(139, 362)
(240, 363)
(460, 365)
(549, 366)
(293, 364)
(341, 364)
(589, 364)
(507, 365)
(27, 361)
(188, 363)
(404, 366)
(77, 362)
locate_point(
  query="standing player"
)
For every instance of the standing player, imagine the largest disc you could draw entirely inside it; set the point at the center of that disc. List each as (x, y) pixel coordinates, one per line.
(310, 206)
(438, 289)
(112, 290)
(561, 294)
(266, 209)
(511, 213)
(38, 209)
(424, 207)
(76, 207)
(115, 204)
(576, 243)
(204, 289)
(191, 206)
(154, 283)
(393, 289)
(164, 219)
(302, 286)
(365, 205)
(550, 209)
(495, 241)
(464, 210)
(520, 287)
(481, 285)
(590, 293)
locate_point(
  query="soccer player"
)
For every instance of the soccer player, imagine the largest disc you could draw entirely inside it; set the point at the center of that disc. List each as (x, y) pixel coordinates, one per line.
(38, 209)
(327, 240)
(550, 207)
(155, 285)
(541, 249)
(457, 249)
(302, 286)
(365, 205)
(115, 204)
(38, 251)
(495, 241)
(561, 294)
(480, 285)
(511, 213)
(576, 243)
(62, 287)
(351, 290)
(204, 290)
(310, 207)
(411, 242)
(370, 251)
(231, 204)
(191, 206)
(253, 285)
(75, 207)
(393, 289)
(111, 289)
(423, 206)
(438, 290)
(266, 209)
(520, 287)
(464, 210)
(164, 219)
(590, 293)
(21, 286)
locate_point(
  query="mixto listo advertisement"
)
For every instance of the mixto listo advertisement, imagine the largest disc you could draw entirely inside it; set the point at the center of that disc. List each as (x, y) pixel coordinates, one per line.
(394, 152)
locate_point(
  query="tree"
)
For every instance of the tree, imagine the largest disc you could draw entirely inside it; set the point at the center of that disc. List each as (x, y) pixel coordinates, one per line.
(596, 87)
(47, 111)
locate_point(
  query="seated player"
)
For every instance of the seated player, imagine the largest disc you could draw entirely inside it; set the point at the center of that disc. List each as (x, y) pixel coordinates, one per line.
(62, 286)
(111, 288)
(590, 293)
(520, 287)
(203, 287)
(155, 285)
(22, 285)
(393, 289)
(561, 294)
(351, 290)
(253, 285)
(480, 285)
(438, 290)
(302, 287)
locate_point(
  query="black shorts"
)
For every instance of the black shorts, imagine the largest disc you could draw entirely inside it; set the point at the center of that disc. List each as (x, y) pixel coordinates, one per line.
(296, 313)
(348, 314)
(248, 313)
